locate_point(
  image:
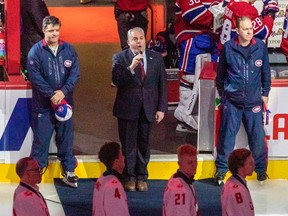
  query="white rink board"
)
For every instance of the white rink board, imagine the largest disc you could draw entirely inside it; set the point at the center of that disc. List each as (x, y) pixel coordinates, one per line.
(278, 105)
(9, 98)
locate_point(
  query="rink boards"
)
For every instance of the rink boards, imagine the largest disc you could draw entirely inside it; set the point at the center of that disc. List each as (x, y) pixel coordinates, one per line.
(16, 139)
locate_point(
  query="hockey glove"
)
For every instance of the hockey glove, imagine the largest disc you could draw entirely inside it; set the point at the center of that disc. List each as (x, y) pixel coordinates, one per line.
(270, 7)
(158, 45)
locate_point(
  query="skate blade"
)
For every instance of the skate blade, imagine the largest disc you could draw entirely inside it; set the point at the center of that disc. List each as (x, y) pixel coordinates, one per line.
(74, 185)
(180, 128)
(220, 182)
(261, 183)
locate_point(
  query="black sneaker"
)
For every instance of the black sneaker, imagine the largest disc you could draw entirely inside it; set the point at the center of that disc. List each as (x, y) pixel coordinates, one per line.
(219, 176)
(262, 176)
(70, 179)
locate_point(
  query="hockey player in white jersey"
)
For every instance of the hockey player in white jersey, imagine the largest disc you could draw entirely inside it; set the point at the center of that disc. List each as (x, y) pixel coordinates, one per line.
(235, 196)
(179, 196)
(109, 198)
(28, 200)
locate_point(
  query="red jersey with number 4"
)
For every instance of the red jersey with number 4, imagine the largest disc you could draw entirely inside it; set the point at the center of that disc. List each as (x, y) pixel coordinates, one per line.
(236, 8)
(236, 199)
(284, 43)
(109, 197)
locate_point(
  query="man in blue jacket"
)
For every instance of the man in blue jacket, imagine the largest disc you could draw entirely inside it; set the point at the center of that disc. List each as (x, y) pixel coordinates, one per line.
(54, 72)
(243, 82)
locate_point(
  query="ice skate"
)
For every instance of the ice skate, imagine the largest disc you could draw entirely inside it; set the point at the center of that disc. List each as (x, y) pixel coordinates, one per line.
(70, 179)
(219, 177)
(261, 177)
(183, 127)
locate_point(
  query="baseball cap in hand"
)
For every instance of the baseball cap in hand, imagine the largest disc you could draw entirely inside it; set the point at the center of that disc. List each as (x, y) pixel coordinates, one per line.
(63, 111)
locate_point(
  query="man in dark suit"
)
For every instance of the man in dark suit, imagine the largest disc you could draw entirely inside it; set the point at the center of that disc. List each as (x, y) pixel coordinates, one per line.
(32, 14)
(141, 99)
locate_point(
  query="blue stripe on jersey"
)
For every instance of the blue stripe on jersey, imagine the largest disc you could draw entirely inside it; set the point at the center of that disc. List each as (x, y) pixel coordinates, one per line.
(262, 34)
(177, 9)
(194, 13)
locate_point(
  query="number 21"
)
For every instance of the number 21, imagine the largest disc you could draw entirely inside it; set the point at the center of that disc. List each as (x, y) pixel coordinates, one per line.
(180, 199)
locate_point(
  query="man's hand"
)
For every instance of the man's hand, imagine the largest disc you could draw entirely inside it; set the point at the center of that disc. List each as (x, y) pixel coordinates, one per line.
(136, 60)
(270, 7)
(57, 97)
(159, 116)
(265, 99)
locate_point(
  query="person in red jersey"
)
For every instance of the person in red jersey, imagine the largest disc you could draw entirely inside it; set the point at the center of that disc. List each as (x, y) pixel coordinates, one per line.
(262, 24)
(195, 36)
(130, 14)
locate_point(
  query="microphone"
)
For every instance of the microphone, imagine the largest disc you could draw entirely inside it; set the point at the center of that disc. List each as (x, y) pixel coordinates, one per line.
(140, 52)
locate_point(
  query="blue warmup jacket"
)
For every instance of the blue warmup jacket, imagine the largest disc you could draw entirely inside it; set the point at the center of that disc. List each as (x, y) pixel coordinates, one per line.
(243, 80)
(48, 73)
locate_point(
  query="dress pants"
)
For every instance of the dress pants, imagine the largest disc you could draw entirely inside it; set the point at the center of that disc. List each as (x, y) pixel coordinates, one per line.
(134, 137)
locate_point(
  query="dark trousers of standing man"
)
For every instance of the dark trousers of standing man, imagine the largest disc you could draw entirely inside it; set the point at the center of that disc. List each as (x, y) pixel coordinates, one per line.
(134, 137)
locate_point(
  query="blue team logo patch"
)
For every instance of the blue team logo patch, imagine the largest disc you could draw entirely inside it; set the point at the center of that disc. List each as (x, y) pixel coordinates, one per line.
(67, 63)
(256, 109)
(60, 109)
(258, 63)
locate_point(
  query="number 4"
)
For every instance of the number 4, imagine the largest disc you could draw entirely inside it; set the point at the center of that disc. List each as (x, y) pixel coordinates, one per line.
(117, 194)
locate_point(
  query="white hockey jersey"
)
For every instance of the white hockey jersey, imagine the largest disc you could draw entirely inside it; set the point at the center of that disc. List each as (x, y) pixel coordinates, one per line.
(28, 201)
(109, 197)
(236, 198)
(179, 197)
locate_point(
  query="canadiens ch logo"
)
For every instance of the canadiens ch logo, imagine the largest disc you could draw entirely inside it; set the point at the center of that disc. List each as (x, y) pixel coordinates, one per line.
(256, 109)
(258, 63)
(60, 109)
(67, 63)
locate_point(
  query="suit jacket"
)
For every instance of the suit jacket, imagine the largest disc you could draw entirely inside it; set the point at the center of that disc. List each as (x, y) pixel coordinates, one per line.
(132, 94)
(32, 14)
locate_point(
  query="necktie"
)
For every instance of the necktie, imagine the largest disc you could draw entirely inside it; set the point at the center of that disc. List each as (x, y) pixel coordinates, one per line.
(142, 71)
